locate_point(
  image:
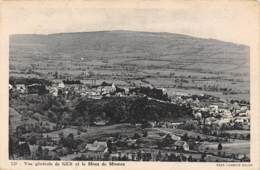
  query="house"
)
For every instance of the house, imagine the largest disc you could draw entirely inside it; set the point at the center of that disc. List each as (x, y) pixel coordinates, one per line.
(198, 116)
(119, 94)
(226, 114)
(243, 120)
(176, 124)
(126, 90)
(21, 88)
(172, 137)
(213, 108)
(114, 156)
(61, 85)
(222, 121)
(96, 148)
(106, 89)
(131, 142)
(240, 156)
(50, 148)
(10, 87)
(62, 151)
(100, 123)
(181, 145)
(151, 124)
(243, 109)
(164, 91)
(178, 93)
(210, 120)
(53, 91)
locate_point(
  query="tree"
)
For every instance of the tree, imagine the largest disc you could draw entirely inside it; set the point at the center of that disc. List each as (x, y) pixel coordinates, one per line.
(248, 136)
(224, 127)
(203, 156)
(205, 115)
(238, 126)
(198, 138)
(56, 75)
(69, 141)
(39, 152)
(139, 155)
(219, 148)
(33, 140)
(190, 125)
(190, 159)
(145, 133)
(185, 137)
(45, 154)
(109, 146)
(78, 132)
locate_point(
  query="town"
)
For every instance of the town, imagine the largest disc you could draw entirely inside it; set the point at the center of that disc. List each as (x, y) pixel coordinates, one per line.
(68, 119)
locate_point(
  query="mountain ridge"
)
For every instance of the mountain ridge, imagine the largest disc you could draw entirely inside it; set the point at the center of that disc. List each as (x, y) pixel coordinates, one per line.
(126, 31)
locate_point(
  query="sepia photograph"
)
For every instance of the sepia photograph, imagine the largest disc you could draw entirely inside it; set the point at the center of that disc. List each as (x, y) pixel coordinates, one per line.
(128, 95)
(130, 84)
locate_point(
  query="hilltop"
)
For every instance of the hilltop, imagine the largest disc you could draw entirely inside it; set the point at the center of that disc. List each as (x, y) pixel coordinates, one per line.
(124, 46)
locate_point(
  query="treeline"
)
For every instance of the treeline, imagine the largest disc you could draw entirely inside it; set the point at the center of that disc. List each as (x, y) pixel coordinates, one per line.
(86, 111)
(151, 92)
(125, 109)
(205, 97)
(29, 81)
(67, 81)
(241, 102)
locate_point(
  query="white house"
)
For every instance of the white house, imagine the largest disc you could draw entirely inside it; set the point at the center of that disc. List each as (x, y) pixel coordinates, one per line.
(97, 146)
(173, 137)
(182, 145)
(61, 85)
(21, 88)
(10, 86)
(53, 91)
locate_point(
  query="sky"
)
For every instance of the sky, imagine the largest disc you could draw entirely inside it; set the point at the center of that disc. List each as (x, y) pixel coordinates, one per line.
(224, 20)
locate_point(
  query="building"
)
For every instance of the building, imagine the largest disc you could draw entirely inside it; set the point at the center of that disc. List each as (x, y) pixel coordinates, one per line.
(103, 90)
(10, 87)
(61, 85)
(100, 123)
(172, 137)
(176, 124)
(182, 145)
(96, 149)
(21, 88)
(213, 109)
(53, 91)
(164, 91)
(131, 142)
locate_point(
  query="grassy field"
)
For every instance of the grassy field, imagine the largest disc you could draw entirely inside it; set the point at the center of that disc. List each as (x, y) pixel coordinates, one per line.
(236, 147)
(240, 132)
(125, 129)
(99, 133)
(181, 132)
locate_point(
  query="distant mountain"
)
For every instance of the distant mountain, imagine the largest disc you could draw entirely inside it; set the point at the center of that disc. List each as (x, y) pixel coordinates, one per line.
(130, 47)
